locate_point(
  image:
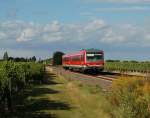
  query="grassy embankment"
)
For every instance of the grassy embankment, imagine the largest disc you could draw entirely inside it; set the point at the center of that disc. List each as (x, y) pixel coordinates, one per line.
(60, 98)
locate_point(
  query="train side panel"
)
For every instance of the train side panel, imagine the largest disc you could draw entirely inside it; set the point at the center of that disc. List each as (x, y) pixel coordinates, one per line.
(83, 60)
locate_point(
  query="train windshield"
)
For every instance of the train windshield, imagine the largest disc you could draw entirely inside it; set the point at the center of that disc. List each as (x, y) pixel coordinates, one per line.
(91, 57)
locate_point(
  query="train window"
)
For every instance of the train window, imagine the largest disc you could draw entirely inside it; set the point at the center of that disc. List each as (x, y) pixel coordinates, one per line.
(76, 58)
(94, 57)
(66, 59)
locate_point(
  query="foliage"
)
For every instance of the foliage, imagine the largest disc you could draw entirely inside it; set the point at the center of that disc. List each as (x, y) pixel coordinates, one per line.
(22, 59)
(48, 61)
(14, 76)
(131, 97)
(5, 57)
(112, 60)
(131, 66)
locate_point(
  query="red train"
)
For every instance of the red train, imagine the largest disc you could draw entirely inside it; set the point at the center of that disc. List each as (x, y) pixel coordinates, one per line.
(87, 59)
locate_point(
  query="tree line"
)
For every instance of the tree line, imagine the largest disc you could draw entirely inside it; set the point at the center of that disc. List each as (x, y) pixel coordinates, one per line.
(18, 59)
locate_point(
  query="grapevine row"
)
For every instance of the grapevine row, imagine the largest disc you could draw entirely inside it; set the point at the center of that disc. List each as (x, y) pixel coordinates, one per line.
(15, 76)
(128, 67)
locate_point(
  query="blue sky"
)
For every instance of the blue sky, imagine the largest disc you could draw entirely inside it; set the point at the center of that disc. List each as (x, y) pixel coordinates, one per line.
(40, 27)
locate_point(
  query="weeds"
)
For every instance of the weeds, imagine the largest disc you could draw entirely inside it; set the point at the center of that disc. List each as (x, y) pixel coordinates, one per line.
(131, 97)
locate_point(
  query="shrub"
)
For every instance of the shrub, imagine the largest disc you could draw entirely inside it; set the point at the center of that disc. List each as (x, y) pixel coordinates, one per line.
(131, 97)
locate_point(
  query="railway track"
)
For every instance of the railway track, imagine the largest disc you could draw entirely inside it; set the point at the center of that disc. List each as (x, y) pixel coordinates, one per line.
(104, 81)
(98, 76)
(108, 75)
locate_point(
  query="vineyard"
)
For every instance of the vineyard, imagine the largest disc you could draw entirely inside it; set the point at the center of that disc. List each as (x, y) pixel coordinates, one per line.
(14, 77)
(143, 67)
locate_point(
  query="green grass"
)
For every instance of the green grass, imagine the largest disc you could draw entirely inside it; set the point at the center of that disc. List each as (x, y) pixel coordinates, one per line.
(59, 98)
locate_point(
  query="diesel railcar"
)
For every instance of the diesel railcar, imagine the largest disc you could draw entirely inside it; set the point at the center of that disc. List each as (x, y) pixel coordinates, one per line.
(86, 59)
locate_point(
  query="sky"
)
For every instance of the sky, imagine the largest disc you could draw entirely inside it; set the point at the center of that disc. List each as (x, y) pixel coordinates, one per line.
(40, 27)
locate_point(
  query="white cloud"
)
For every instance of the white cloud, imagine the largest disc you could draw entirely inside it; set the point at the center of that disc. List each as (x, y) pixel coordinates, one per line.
(148, 36)
(2, 35)
(147, 40)
(111, 37)
(53, 36)
(97, 30)
(52, 27)
(27, 39)
(94, 26)
(26, 35)
(52, 32)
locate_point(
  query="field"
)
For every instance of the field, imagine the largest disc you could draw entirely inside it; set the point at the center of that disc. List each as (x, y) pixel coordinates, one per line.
(58, 97)
(48, 94)
(14, 77)
(143, 67)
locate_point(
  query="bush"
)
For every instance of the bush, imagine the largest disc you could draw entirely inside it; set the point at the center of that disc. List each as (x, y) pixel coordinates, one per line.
(14, 76)
(131, 98)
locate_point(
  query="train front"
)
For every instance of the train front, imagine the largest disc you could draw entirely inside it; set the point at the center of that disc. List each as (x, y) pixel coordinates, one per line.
(94, 60)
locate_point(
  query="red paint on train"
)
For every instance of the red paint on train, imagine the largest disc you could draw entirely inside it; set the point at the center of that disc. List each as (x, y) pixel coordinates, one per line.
(87, 59)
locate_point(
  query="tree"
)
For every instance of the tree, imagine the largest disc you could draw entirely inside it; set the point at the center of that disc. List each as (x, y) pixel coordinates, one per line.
(33, 58)
(5, 57)
(110, 60)
(10, 59)
(57, 58)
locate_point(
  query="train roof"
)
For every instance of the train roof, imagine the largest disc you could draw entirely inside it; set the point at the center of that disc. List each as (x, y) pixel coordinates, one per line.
(74, 53)
(93, 50)
(81, 51)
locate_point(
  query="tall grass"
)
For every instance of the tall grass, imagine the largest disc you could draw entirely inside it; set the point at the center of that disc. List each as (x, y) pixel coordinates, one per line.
(131, 98)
